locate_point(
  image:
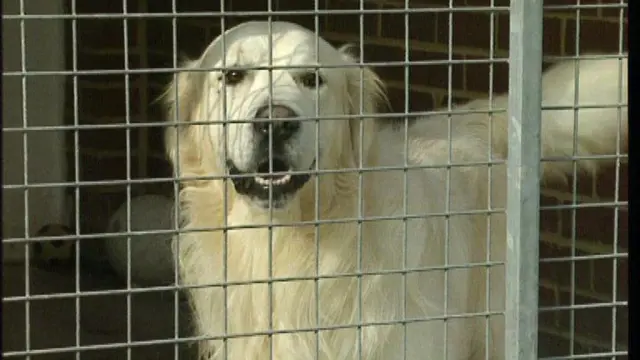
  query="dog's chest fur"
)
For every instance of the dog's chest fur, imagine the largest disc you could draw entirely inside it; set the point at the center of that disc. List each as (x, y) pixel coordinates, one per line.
(314, 287)
(311, 289)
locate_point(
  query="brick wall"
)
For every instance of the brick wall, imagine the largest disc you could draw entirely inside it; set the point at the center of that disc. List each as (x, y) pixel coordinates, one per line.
(102, 101)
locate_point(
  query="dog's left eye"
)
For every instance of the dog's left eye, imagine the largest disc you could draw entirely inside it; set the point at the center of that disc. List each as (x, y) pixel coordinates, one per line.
(234, 77)
(310, 80)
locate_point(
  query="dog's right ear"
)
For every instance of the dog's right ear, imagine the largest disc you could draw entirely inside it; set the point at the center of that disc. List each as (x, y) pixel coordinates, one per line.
(181, 101)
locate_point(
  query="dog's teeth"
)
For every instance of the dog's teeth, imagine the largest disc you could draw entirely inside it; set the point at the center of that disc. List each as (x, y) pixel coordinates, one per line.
(262, 181)
(265, 182)
(282, 180)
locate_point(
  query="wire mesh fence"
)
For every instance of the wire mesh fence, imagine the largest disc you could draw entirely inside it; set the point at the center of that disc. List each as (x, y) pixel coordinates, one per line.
(85, 149)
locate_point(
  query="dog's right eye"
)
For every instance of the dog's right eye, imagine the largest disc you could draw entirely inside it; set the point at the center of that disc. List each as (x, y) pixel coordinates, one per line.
(309, 80)
(234, 77)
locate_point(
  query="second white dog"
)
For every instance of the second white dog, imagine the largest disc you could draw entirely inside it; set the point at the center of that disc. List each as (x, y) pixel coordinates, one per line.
(291, 291)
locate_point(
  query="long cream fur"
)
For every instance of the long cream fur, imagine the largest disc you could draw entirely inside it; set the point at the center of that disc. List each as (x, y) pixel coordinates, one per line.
(360, 317)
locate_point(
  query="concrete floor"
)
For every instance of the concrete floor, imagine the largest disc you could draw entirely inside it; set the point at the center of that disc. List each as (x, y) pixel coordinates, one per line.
(103, 318)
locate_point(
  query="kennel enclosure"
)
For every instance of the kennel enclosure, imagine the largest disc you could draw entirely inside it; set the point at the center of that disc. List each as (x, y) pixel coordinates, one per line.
(118, 58)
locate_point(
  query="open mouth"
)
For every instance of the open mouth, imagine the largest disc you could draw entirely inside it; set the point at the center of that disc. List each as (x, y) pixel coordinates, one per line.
(270, 176)
(276, 176)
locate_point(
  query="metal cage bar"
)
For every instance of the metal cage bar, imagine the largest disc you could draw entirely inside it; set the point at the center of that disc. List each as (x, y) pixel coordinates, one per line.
(523, 184)
(525, 57)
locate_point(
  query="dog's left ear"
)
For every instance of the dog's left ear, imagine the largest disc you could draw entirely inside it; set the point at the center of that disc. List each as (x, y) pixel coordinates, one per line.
(366, 95)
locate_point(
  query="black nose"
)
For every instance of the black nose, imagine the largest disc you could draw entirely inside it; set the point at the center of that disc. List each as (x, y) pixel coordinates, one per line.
(281, 128)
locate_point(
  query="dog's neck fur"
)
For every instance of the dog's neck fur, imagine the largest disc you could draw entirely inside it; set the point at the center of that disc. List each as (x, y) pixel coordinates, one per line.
(255, 254)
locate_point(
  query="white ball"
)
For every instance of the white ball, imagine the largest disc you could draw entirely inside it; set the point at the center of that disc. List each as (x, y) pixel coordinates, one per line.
(152, 260)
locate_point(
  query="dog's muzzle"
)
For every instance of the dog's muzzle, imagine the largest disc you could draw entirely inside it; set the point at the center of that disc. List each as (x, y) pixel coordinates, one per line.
(278, 122)
(271, 181)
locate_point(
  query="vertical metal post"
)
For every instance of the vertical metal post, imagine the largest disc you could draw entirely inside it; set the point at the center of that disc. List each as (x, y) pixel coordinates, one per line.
(523, 171)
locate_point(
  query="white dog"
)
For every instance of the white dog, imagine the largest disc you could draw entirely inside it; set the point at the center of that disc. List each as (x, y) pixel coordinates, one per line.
(314, 255)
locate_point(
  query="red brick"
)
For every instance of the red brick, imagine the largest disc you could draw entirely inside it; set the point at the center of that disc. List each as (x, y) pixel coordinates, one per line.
(192, 38)
(455, 100)
(292, 5)
(549, 221)
(583, 274)
(592, 12)
(613, 13)
(487, 3)
(106, 139)
(623, 229)
(552, 36)
(594, 322)
(392, 26)
(556, 319)
(547, 297)
(380, 53)
(624, 182)
(549, 218)
(547, 200)
(558, 273)
(502, 33)
(438, 76)
(422, 101)
(421, 75)
(349, 4)
(548, 319)
(591, 223)
(397, 99)
(603, 276)
(559, 317)
(607, 183)
(477, 76)
(622, 322)
(233, 6)
(595, 36)
(438, 3)
(422, 26)
(469, 29)
(102, 102)
(391, 73)
(100, 33)
(572, 12)
(622, 287)
(552, 345)
(565, 299)
(585, 185)
(350, 24)
(91, 7)
(568, 2)
(88, 61)
(418, 101)
(549, 250)
(104, 169)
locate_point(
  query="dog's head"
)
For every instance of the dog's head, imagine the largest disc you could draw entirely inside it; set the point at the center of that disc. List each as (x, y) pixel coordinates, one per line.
(280, 105)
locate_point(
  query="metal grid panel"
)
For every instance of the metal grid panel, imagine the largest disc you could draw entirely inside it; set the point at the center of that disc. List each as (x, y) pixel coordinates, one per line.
(524, 58)
(523, 172)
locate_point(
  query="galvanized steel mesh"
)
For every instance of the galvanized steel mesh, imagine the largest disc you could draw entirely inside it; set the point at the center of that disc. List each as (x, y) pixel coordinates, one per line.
(432, 54)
